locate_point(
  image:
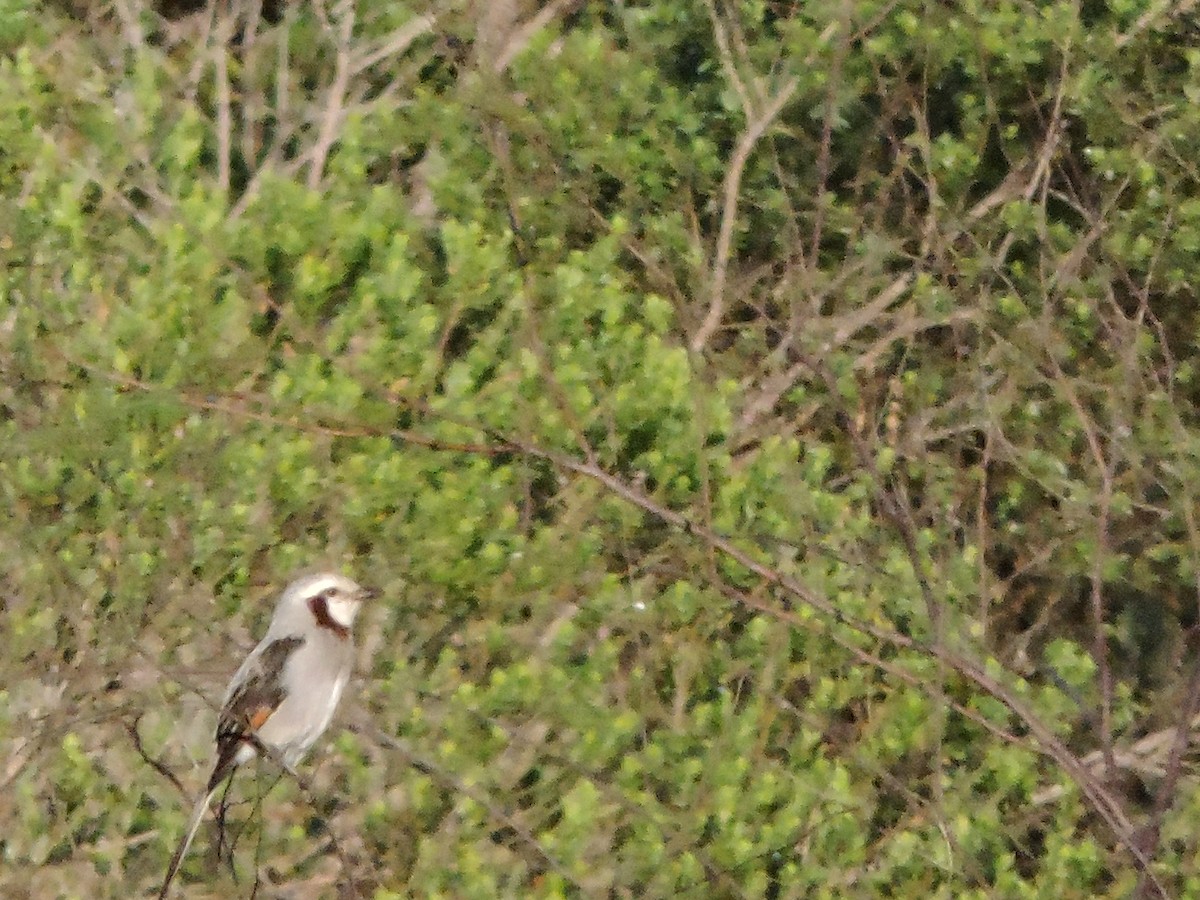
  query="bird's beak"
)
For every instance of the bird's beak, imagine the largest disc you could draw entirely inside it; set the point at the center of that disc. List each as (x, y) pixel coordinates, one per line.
(368, 594)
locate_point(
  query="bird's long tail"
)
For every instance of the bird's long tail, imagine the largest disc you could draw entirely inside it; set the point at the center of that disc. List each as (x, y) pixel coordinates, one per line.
(181, 851)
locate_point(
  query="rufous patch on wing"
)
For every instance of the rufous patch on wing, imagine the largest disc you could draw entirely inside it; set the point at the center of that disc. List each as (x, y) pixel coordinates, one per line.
(259, 716)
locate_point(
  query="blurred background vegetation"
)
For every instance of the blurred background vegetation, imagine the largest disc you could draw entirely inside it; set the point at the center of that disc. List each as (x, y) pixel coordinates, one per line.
(772, 425)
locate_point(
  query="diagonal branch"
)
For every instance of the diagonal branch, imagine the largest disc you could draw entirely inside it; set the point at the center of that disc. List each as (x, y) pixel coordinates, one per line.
(396, 43)
(732, 189)
(331, 122)
(521, 37)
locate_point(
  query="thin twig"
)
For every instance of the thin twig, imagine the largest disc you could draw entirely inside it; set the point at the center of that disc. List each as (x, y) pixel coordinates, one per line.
(395, 44)
(131, 728)
(729, 211)
(220, 49)
(521, 36)
(498, 814)
(1105, 468)
(825, 150)
(1163, 8)
(331, 122)
(727, 62)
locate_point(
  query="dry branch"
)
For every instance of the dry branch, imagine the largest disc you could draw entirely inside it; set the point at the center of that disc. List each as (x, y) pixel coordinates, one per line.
(331, 121)
(731, 192)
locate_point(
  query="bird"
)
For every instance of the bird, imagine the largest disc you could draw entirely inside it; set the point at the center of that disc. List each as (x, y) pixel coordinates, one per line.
(283, 696)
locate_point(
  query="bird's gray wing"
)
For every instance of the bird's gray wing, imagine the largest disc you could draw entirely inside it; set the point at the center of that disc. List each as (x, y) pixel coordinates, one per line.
(254, 695)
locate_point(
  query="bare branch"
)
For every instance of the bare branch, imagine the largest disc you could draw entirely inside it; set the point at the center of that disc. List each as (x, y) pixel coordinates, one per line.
(727, 62)
(220, 49)
(524, 34)
(731, 192)
(395, 44)
(331, 122)
(1161, 9)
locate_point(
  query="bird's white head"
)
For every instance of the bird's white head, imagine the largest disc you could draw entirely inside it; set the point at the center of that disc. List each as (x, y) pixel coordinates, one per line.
(333, 600)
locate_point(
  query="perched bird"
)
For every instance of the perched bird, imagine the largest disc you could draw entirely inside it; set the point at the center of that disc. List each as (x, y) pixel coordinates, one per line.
(284, 694)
